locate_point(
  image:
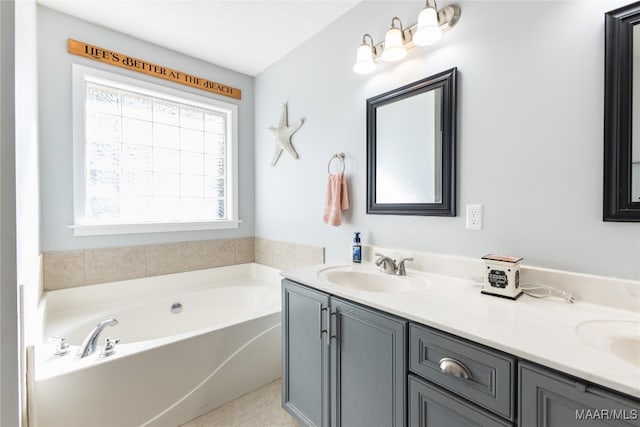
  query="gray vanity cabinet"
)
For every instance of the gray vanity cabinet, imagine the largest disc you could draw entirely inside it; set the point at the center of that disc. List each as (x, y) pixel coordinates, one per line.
(364, 380)
(549, 399)
(347, 365)
(305, 354)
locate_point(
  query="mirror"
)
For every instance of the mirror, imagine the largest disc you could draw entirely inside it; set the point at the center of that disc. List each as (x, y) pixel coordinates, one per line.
(621, 126)
(411, 148)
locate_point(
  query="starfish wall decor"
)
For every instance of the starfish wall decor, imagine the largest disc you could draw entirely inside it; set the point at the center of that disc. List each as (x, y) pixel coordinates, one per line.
(282, 136)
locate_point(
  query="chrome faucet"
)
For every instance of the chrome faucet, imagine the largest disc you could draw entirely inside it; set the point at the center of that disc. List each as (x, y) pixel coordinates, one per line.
(89, 344)
(389, 266)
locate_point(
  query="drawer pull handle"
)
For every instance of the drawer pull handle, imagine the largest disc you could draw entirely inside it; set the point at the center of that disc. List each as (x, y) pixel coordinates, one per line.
(454, 367)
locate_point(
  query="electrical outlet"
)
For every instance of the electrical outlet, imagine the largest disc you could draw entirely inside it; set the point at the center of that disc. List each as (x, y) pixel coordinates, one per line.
(474, 217)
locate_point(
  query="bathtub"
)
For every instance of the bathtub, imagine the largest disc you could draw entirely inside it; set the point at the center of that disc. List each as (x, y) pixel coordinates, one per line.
(169, 367)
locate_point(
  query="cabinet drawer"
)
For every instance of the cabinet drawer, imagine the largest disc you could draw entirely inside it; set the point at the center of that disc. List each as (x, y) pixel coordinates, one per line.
(491, 375)
(430, 406)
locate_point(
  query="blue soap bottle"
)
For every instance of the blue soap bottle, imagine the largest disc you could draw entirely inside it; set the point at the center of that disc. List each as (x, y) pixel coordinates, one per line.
(356, 252)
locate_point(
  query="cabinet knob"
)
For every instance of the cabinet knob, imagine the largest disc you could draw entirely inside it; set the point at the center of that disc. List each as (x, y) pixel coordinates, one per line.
(455, 368)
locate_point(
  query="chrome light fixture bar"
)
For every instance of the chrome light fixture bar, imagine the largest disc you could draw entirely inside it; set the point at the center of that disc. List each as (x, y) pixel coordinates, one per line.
(398, 40)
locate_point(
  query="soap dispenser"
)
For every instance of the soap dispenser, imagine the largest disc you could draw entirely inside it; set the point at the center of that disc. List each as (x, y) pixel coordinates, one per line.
(356, 252)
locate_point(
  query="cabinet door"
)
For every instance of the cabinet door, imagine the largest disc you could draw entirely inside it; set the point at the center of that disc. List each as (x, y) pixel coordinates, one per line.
(368, 367)
(548, 399)
(305, 354)
(430, 406)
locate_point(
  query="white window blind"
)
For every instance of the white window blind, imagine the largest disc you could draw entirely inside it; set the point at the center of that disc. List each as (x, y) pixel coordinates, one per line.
(151, 156)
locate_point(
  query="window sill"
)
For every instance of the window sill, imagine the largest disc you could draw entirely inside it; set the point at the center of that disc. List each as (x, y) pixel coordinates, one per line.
(151, 227)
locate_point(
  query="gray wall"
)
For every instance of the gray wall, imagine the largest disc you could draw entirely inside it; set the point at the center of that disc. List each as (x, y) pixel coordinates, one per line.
(8, 281)
(530, 126)
(56, 145)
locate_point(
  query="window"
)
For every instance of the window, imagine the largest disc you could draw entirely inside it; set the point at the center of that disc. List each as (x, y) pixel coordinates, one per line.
(150, 158)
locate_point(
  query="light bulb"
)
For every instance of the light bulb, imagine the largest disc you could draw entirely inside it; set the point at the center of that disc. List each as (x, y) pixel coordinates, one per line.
(393, 49)
(428, 31)
(364, 60)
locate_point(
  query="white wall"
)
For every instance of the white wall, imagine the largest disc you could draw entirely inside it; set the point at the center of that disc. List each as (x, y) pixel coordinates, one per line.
(530, 129)
(8, 285)
(27, 176)
(27, 182)
(56, 152)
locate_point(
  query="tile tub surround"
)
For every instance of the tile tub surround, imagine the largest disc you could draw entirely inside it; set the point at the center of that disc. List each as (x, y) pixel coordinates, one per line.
(285, 255)
(66, 269)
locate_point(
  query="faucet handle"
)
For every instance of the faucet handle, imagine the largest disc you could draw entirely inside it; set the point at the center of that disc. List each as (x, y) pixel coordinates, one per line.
(381, 257)
(63, 346)
(109, 346)
(401, 269)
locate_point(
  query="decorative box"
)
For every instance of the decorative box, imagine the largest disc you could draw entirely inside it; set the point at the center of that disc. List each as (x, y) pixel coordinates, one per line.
(502, 276)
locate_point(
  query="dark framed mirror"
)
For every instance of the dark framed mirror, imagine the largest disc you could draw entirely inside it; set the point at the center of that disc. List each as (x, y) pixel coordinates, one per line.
(411, 148)
(621, 125)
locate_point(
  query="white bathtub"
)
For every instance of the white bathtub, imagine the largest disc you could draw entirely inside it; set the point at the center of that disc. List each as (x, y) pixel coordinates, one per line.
(168, 367)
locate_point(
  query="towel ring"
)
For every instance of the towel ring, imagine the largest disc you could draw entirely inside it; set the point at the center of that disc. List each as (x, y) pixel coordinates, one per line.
(336, 156)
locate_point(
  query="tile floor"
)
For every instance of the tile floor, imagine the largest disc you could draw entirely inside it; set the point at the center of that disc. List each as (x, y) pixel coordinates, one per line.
(259, 408)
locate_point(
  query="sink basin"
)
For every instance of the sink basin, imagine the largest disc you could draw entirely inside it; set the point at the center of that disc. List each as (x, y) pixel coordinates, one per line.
(367, 279)
(619, 337)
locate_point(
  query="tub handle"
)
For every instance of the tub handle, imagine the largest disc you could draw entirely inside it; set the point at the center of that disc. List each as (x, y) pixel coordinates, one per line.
(62, 348)
(109, 347)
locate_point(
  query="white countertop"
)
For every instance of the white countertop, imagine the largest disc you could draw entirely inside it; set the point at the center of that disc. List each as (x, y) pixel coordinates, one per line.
(539, 330)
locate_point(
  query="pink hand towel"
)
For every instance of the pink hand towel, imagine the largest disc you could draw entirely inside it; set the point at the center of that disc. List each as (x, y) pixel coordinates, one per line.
(337, 199)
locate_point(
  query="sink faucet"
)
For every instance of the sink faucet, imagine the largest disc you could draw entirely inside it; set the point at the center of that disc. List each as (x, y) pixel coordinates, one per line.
(389, 266)
(89, 344)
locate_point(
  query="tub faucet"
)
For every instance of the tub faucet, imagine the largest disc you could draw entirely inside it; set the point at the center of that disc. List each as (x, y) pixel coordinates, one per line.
(89, 344)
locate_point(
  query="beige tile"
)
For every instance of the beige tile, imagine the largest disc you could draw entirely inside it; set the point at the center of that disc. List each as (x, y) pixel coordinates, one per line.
(245, 250)
(261, 407)
(284, 255)
(111, 264)
(216, 253)
(64, 269)
(173, 258)
(309, 255)
(263, 251)
(277, 418)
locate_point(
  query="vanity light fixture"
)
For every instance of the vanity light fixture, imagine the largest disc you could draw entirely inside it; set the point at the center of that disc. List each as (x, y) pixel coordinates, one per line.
(428, 32)
(394, 42)
(431, 24)
(364, 57)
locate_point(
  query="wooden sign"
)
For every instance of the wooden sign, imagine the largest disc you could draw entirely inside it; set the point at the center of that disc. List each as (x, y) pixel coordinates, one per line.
(130, 63)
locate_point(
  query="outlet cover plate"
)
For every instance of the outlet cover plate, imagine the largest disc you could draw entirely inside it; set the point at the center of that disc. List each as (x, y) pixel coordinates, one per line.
(474, 217)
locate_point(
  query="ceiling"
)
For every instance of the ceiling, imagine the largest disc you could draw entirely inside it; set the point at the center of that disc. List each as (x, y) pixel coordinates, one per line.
(242, 35)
